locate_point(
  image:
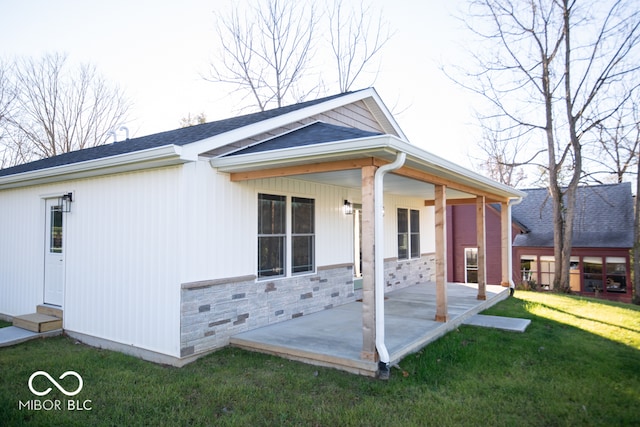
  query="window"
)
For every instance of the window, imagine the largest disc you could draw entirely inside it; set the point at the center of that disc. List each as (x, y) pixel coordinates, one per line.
(302, 234)
(592, 273)
(529, 269)
(55, 230)
(616, 275)
(271, 235)
(408, 233)
(275, 236)
(471, 265)
(547, 271)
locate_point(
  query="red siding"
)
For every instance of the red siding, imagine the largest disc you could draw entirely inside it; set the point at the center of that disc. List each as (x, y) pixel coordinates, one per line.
(461, 234)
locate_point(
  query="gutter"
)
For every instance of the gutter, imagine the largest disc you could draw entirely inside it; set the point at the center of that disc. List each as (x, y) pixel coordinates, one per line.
(383, 364)
(136, 160)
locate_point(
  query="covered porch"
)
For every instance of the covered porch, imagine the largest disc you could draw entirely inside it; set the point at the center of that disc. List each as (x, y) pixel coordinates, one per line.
(333, 337)
(375, 167)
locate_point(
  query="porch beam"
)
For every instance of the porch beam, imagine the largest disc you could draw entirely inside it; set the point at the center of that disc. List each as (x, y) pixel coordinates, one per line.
(466, 201)
(505, 223)
(437, 180)
(337, 165)
(368, 265)
(442, 313)
(481, 242)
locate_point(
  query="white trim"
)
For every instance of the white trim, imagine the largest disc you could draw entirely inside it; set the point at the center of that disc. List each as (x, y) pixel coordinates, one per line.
(383, 146)
(192, 150)
(137, 160)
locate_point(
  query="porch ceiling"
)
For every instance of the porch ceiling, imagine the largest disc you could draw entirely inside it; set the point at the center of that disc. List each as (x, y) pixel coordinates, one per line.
(393, 184)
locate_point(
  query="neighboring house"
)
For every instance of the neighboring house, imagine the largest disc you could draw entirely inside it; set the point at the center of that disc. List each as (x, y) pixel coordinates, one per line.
(602, 239)
(164, 246)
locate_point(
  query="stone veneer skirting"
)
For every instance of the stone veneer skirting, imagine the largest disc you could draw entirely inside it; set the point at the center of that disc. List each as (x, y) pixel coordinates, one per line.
(213, 311)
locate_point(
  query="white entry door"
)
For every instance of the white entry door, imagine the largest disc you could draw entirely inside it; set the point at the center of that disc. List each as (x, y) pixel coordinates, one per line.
(53, 254)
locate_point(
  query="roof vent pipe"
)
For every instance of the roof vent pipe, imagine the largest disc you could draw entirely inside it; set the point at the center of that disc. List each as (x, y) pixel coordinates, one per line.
(126, 129)
(379, 256)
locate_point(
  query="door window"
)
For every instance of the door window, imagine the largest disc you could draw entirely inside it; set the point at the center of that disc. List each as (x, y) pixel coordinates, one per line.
(55, 230)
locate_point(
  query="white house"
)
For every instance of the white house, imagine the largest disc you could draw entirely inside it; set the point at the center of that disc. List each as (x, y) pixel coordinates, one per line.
(166, 245)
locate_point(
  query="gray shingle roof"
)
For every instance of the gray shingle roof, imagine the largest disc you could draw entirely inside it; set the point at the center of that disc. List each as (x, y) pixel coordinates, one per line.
(604, 217)
(315, 133)
(179, 137)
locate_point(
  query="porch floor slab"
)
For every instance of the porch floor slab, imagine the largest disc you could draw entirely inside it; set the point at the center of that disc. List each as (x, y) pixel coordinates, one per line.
(333, 337)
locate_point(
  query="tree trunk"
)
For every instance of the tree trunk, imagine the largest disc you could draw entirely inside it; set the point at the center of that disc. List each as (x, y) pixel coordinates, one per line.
(636, 243)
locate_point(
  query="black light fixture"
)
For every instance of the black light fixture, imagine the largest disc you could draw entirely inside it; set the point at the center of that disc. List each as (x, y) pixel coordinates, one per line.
(348, 208)
(64, 202)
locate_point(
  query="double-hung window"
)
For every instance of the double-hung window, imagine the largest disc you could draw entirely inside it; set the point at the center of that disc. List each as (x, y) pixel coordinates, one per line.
(408, 233)
(272, 234)
(302, 235)
(286, 243)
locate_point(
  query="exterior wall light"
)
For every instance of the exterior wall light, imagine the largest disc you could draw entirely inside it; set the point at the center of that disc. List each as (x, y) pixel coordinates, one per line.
(348, 208)
(64, 202)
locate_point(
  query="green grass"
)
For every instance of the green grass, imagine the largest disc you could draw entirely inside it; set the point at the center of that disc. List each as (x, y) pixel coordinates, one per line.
(577, 364)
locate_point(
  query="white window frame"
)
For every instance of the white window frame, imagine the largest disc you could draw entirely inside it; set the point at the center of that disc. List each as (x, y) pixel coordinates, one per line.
(409, 233)
(466, 267)
(288, 237)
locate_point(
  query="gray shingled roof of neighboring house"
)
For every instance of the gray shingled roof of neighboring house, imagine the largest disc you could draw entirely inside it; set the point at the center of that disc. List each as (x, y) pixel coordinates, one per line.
(603, 217)
(178, 137)
(315, 133)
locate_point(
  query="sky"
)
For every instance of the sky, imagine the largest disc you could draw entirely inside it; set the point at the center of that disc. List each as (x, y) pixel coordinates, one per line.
(157, 52)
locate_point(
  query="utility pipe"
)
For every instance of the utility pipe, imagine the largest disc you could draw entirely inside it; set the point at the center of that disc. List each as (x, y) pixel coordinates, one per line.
(379, 256)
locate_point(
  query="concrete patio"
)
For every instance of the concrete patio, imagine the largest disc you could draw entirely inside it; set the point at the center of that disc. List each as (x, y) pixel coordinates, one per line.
(333, 337)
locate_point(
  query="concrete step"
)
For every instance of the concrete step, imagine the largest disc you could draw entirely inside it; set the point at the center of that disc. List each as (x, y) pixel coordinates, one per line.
(49, 310)
(37, 322)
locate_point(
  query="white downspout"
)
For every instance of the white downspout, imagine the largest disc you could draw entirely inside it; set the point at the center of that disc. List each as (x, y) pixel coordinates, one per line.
(512, 286)
(379, 256)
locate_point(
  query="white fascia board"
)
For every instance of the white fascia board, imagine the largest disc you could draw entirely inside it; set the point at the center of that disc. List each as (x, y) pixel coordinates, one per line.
(191, 151)
(278, 158)
(387, 145)
(145, 159)
(458, 173)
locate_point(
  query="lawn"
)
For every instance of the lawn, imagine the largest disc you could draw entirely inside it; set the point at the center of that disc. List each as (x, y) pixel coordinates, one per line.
(577, 364)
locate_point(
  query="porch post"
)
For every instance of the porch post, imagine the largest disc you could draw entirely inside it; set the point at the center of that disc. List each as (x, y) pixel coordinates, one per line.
(505, 220)
(368, 265)
(481, 241)
(442, 314)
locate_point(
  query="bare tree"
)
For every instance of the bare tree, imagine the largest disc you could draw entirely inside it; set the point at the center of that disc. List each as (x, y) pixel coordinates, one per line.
(7, 98)
(502, 150)
(58, 110)
(615, 157)
(545, 67)
(267, 51)
(356, 39)
(618, 145)
(636, 241)
(270, 53)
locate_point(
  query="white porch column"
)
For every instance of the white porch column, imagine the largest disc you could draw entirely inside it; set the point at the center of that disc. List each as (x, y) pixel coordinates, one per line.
(442, 312)
(481, 241)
